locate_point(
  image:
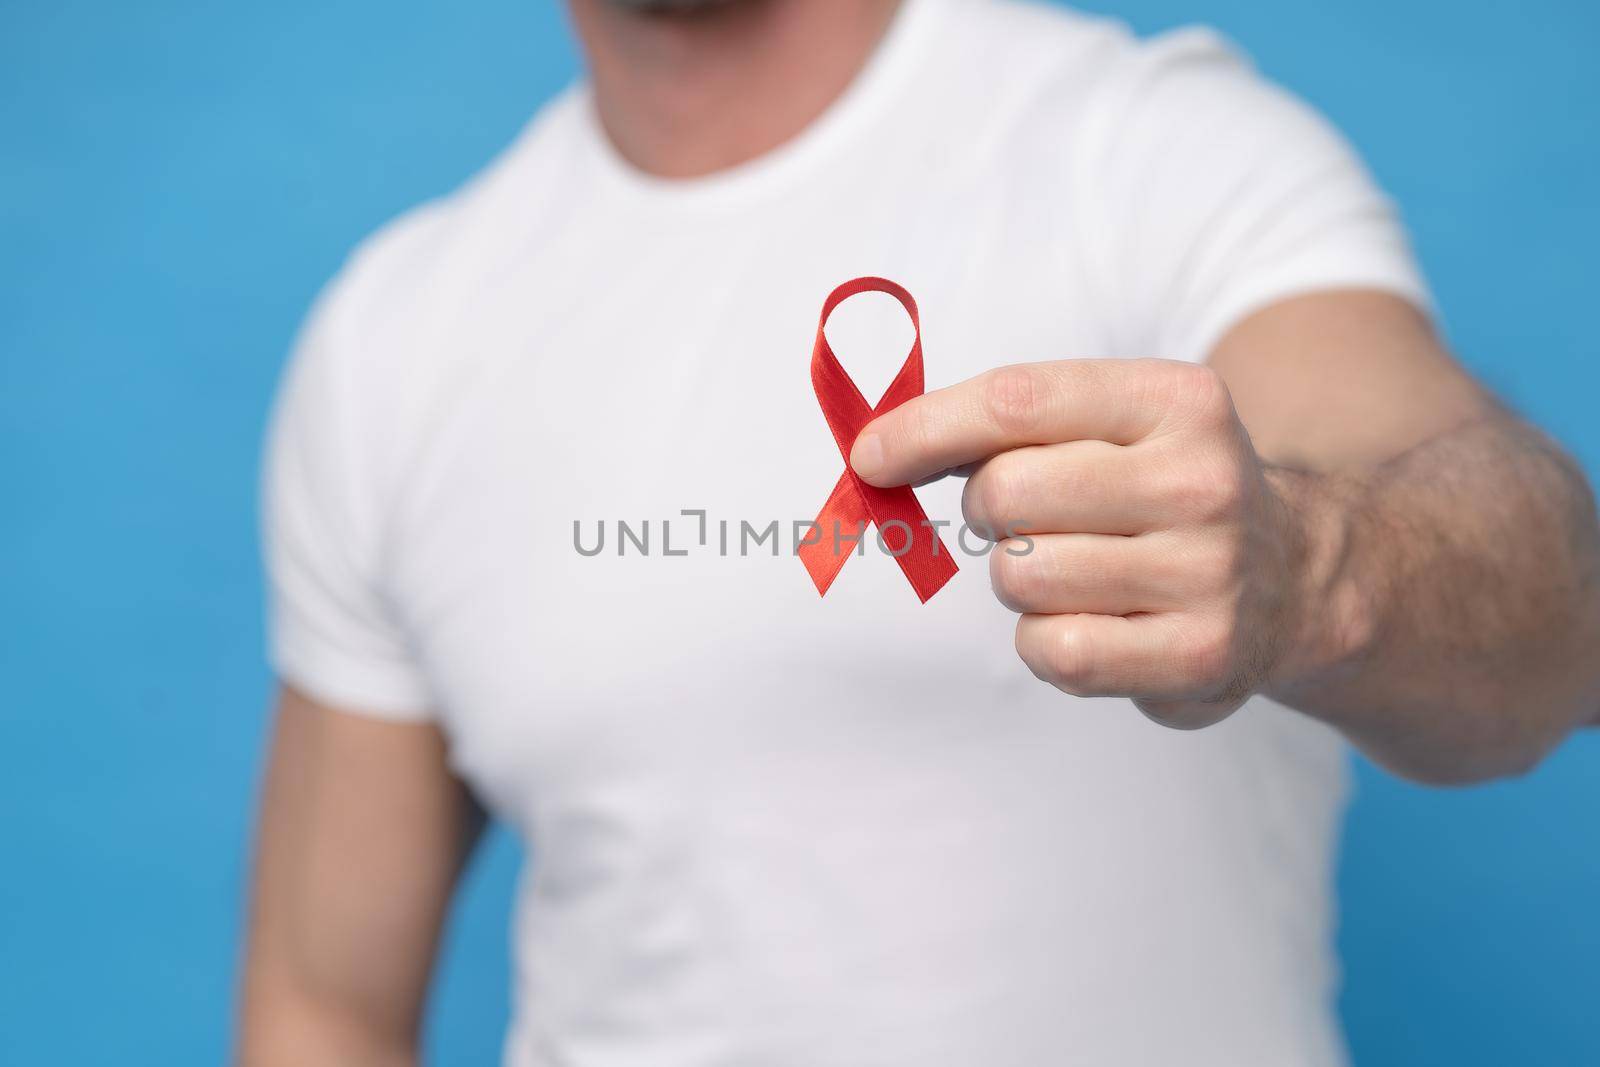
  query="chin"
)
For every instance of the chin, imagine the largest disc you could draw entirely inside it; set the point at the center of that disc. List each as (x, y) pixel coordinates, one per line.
(654, 6)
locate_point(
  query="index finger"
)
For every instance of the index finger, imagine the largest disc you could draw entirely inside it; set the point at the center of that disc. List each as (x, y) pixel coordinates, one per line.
(1009, 407)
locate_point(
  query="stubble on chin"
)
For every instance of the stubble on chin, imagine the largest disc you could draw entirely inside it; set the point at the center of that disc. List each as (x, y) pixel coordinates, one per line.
(669, 6)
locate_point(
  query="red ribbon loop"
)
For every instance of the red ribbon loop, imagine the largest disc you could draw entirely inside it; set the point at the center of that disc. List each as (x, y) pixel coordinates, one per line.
(902, 525)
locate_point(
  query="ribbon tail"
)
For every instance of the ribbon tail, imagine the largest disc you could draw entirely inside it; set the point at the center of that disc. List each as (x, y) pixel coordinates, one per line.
(923, 557)
(928, 573)
(844, 507)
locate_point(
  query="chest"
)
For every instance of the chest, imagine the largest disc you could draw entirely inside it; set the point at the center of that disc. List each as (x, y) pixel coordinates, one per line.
(595, 552)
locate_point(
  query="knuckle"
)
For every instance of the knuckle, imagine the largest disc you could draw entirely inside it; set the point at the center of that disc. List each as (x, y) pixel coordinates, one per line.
(1058, 655)
(1205, 491)
(1217, 559)
(1011, 397)
(1071, 660)
(1015, 580)
(974, 501)
(1199, 391)
(1197, 566)
(1021, 583)
(1077, 480)
(1184, 487)
(1036, 646)
(1207, 653)
(1001, 488)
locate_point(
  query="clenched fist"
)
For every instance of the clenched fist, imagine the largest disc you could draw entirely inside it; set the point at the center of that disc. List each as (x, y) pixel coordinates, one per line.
(1165, 564)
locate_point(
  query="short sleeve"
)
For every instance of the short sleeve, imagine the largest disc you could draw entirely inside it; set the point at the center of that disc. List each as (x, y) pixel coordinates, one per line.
(333, 632)
(1214, 194)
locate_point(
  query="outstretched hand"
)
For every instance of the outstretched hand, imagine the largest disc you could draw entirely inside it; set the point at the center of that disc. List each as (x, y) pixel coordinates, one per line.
(1159, 563)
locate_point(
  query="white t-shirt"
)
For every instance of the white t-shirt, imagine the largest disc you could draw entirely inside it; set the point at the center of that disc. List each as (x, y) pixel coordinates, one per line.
(777, 830)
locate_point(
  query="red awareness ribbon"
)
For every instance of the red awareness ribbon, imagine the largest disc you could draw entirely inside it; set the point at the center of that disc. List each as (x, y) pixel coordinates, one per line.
(902, 525)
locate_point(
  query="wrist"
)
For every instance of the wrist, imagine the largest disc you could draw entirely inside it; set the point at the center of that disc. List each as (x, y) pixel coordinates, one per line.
(1331, 612)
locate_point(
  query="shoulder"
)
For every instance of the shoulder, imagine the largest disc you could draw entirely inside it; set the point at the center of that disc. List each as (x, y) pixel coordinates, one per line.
(1055, 84)
(1030, 51)
(392, 329)
(406, 280)
(1053, 41)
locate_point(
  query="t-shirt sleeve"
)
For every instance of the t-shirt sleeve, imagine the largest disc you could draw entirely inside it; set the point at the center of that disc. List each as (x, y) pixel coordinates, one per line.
(334, 634)
(1214, 194)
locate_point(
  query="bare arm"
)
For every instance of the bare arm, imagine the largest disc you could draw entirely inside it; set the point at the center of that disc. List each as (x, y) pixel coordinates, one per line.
(363, 831)
(1332, 512)
(1453, 571)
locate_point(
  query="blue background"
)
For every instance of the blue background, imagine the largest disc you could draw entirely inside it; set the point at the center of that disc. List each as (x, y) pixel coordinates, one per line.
(176, 181)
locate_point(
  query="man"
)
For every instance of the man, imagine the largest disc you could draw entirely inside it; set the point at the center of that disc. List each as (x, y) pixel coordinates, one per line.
(1175, 340)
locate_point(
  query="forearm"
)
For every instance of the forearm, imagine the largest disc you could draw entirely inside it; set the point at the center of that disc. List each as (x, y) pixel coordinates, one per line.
(282, 1025)
(363, 832)
(1450, 620)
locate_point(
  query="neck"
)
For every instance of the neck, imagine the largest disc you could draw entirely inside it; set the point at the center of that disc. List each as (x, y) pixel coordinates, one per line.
(686, 93)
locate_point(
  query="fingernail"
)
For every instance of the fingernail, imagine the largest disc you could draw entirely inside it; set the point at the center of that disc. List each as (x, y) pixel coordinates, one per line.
(866, 458)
